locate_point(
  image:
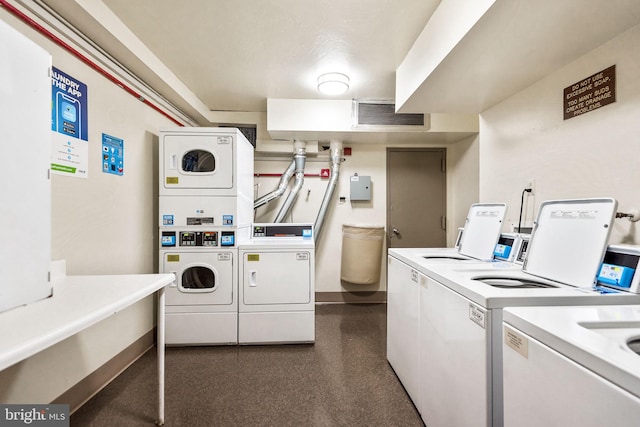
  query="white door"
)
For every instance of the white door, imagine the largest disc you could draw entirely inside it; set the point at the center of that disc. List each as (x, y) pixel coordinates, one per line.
(203, 278)
(274, 278)
(197, 161)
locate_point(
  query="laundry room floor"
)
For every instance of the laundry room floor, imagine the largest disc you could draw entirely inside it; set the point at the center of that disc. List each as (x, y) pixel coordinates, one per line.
(341, 380)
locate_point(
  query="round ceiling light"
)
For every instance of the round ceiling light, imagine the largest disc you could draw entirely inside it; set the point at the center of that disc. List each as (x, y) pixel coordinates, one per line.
(333, 83)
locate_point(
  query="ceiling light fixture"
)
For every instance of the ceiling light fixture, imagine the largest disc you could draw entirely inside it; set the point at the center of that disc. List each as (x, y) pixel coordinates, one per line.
(333, 83)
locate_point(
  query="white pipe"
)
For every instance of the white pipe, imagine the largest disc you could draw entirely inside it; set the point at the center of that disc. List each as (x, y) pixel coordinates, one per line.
(282, 186)
(299, 158)
(336, 158)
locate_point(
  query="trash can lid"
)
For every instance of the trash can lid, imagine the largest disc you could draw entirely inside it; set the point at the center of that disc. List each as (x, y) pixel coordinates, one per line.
(367, 226)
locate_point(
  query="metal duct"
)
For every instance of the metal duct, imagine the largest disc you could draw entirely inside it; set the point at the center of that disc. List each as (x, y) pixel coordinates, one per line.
(336, 158)
(299, 159)
(279, 191)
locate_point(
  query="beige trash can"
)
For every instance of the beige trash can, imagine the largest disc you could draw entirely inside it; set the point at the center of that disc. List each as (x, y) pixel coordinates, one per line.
(361, 254)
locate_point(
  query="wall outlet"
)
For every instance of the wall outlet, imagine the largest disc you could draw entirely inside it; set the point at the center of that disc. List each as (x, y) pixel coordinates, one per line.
(532, 185)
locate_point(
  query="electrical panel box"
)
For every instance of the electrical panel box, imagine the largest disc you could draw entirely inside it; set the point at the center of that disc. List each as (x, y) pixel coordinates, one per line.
(360, 188)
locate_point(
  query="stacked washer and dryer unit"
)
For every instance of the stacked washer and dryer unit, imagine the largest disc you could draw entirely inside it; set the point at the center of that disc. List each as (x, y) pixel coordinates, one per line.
(236, 282)
(205, 213)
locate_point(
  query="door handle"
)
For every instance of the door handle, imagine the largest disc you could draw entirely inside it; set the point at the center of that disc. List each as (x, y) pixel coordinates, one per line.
(253, 278)
(395, 232)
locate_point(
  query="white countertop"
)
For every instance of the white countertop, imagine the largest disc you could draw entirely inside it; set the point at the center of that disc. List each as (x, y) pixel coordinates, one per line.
(593, 336)
(77, 303)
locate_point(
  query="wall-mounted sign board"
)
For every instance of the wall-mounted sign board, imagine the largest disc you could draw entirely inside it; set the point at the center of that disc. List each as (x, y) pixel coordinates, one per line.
(591, 93)
(112, 155)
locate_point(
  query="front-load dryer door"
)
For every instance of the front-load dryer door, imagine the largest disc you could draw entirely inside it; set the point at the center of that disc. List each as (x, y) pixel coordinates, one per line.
(275, 278)
(197, 161)
(202, 278)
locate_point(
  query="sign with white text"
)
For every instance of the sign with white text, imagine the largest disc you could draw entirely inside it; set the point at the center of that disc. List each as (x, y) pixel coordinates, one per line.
(589, 94)
(70, 152)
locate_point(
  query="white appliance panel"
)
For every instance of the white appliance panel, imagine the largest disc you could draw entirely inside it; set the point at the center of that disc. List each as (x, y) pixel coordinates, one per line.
(482, 230)
(187, 211)
(276, 278)
(544, 388)
(569, 240)
(25, 117)
(276, 327)
(455, 336)
(200, 327)
(403, 325)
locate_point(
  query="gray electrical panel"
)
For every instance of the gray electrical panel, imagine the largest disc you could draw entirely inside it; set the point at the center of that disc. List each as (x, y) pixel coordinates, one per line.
(360, 188)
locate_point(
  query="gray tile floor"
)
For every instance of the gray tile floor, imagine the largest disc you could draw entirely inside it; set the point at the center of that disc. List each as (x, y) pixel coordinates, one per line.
(343, 379)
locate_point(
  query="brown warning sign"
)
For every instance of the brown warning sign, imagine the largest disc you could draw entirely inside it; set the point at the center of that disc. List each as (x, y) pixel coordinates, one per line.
(591, 93)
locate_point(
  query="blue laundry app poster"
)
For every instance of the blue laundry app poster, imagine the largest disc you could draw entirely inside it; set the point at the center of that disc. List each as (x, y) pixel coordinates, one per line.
(112, 155)
(69, 105)
(70, 150)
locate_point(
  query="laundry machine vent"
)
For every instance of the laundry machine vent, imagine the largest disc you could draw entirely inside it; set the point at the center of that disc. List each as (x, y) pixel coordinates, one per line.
(382, 113)
(249, 132)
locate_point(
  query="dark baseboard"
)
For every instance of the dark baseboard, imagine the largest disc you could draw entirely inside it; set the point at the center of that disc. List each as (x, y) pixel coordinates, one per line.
(365, 297)
(80, 393)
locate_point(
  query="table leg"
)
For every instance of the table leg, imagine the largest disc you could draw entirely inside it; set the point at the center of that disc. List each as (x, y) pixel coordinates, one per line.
(160, 345)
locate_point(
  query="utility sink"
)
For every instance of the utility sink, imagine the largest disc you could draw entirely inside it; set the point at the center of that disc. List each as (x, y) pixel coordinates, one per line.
(512, 282)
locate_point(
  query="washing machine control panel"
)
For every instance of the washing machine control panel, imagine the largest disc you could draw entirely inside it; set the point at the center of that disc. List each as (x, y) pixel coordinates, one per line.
(205, 239)
(619, 269)
(198, 238)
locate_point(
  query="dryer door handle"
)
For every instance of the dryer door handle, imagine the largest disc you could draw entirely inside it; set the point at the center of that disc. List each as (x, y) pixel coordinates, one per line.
(173, 164)
(174, 284)
(253, 278)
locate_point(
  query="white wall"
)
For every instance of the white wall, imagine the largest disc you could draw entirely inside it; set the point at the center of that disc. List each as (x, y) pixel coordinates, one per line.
(462, 183)
(593, 155)
(101, 225)
(462, 190)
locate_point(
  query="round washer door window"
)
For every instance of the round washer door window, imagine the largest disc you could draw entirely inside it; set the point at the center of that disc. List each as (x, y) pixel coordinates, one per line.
(198, 161)
(198, 279)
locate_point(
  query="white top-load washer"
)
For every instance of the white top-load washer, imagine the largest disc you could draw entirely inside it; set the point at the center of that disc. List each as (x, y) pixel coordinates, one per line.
(479, 241)
(461, 309)
(478, 238)
(572, 366)
(277, 285)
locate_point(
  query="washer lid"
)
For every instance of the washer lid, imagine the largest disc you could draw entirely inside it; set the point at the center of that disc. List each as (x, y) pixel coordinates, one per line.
(569, 240)
(482, 230)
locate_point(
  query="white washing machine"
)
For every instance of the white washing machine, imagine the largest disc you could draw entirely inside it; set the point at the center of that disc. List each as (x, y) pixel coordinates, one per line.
(202, 304)
(567, 366)
(206, 177)
(461, 308)
(476, 243)
(403, 300)
(276, 285)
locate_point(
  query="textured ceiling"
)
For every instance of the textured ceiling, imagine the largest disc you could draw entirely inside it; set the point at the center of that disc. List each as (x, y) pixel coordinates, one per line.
(234, 54)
